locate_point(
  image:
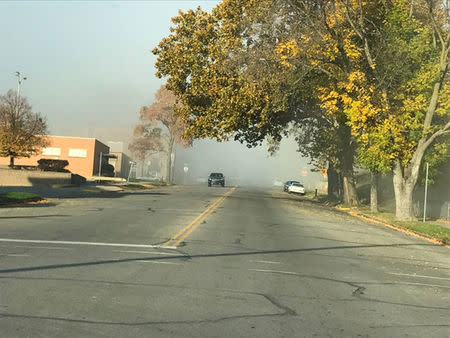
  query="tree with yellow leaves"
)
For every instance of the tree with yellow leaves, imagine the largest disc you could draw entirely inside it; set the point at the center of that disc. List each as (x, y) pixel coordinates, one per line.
(238, 73)
(388, 74)
(369, 77)
(399, 107)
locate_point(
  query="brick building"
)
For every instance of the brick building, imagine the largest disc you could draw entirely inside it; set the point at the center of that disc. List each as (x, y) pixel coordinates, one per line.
(83, 154)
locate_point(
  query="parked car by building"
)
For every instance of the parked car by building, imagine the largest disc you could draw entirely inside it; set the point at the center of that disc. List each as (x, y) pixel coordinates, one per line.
(216, 179)
(296, 188)
(287, 184)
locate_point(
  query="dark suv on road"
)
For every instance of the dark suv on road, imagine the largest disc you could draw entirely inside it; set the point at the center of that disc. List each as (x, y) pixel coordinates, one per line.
(216, 179)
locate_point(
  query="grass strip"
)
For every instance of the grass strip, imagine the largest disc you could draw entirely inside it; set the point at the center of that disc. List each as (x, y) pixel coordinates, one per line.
(429, 229)
(18, 197)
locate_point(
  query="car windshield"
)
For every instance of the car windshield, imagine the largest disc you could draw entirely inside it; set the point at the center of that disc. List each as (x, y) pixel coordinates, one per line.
(296, 184)
(216, 175)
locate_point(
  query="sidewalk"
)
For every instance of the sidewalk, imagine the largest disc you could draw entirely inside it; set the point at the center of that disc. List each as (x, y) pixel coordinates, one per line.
(431, 231)
(434, 231)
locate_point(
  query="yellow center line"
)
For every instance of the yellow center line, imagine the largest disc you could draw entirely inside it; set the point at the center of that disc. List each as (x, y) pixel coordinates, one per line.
(188, 229)
(179, 233)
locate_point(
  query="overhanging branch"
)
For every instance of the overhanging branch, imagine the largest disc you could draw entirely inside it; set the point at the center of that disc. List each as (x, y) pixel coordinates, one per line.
(445, 130)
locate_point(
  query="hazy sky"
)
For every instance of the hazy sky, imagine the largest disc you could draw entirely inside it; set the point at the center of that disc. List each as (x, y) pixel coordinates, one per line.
(88, 63)
(90, 69)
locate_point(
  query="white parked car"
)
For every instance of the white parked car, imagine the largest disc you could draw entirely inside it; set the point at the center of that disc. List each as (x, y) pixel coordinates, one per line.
(296, 188)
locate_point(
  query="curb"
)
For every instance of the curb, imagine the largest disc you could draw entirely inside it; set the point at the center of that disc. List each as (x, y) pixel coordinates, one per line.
(377, 221)
(374, 220)
(24, 203)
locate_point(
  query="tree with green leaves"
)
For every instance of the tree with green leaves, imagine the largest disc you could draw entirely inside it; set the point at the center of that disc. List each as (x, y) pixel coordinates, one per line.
(238, 73)
(221, 94)
(370, 75)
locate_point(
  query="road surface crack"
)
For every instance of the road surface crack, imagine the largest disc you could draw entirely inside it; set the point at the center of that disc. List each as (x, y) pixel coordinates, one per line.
(286, 311)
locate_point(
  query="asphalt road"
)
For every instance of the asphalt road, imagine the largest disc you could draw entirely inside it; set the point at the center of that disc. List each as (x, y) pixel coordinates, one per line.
(214, 262)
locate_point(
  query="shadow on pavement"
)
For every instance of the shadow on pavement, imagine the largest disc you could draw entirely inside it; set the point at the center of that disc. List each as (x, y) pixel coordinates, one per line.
(37, 216)
(28, 205)
(213, 255)
(86, 191)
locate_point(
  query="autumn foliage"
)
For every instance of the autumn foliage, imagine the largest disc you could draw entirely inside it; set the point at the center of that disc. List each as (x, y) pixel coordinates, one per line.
(355, 81)
(160, 129)
(22, 132)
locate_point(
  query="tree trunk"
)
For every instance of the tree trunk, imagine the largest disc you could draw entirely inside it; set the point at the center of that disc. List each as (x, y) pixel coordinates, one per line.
(173, 164)
(374, 192)
(11, 161)
(169, 160)
(333, 184)
(348, 180)
(403, 189)
(350, 195)
(347, 158)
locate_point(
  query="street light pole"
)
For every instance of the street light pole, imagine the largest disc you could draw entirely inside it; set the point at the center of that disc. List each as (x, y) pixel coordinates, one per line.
(100, 165)
(20, 79)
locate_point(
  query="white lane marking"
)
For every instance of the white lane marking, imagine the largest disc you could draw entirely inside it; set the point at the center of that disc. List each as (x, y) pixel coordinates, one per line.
(420, 276)
(18, 255)
(36, 247)
(86, 243)
(424, 284)
(296, 274)
(149, 252)
(157, 262)
(42, 247)
(266, 262)
(275, 271)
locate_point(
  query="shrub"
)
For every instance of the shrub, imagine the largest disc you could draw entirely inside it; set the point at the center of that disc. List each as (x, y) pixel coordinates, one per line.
(108, 170)
(53, 165)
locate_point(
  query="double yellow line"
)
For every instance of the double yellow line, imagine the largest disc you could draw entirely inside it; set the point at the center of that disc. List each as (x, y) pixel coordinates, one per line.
(190, 228)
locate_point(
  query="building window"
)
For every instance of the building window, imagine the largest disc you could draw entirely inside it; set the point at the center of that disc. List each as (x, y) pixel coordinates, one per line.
(77, 153)
(51, 151)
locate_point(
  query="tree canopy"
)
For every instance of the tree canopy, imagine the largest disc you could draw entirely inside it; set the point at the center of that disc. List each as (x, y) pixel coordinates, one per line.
(356, 78)
(22, 132)
(160, 128)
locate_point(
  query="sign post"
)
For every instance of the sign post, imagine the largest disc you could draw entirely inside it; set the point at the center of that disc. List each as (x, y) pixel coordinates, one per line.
(425, 197)
(185, 169)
